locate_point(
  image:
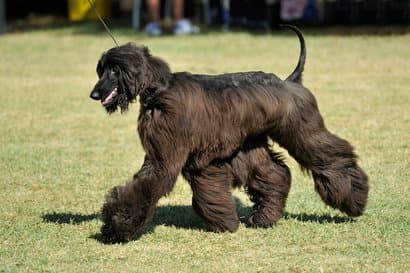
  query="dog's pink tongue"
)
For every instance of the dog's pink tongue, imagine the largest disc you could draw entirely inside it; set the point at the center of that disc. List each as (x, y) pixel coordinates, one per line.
(110, 97)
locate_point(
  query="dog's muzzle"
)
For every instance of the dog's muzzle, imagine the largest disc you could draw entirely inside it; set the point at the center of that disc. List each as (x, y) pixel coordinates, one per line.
(104, 100)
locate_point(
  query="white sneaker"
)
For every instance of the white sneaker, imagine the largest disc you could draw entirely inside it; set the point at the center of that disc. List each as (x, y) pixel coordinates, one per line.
(153, 29)
(185, 27)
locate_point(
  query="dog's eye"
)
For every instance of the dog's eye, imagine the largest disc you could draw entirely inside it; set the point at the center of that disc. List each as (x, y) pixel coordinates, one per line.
(113, 72)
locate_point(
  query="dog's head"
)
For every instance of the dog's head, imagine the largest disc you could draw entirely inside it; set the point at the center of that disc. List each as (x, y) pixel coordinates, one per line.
(125, 72)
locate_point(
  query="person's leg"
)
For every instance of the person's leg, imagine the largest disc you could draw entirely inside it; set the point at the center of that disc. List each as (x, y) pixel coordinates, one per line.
(153, 28)
(178, 9)
(153, 9)
(182, 25)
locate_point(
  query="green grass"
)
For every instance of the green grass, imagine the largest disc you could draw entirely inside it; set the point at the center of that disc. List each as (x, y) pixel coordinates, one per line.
(60, 153)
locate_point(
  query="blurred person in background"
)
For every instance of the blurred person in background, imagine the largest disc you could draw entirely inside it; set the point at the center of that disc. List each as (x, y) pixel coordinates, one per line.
(182, 26)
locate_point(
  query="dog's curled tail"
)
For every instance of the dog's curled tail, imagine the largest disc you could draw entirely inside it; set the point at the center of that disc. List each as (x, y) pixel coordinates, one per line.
(296, 75)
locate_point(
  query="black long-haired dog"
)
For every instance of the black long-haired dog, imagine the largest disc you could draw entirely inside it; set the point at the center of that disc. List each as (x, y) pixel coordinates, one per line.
(215, 130)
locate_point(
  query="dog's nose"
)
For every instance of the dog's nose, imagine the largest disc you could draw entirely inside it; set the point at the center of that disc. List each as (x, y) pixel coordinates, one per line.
(95, 95)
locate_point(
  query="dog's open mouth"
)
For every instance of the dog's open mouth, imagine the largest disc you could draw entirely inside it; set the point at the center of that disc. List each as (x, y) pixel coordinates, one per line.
(111, 96)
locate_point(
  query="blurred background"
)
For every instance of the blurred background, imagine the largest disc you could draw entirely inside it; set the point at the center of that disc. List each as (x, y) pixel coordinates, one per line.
(256, 14)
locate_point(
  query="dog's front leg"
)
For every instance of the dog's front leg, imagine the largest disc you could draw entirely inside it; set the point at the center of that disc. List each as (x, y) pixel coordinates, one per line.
(130, 206)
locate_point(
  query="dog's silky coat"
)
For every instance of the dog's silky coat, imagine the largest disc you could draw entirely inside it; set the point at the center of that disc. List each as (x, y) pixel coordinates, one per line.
(215, 130)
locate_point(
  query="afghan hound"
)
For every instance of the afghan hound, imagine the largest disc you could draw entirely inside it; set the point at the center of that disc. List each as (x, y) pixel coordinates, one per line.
(215, 130)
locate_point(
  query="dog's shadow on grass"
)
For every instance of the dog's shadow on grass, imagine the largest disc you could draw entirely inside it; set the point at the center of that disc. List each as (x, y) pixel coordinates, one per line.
(183, 217)
(68, 218)
(180, 217)
(320, 219)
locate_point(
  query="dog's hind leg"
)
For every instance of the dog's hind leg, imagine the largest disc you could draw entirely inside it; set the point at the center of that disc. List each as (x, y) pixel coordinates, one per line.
(212, 198)
(340, 182)
(267, 180)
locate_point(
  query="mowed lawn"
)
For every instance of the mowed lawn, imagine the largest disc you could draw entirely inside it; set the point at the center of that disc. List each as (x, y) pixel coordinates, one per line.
(60, 153)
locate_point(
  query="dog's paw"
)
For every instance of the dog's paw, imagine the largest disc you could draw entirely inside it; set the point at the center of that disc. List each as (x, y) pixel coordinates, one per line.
(119, 223)
(256, 221)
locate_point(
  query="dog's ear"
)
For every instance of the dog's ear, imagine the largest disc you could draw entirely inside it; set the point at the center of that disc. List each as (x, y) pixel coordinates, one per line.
(159, 71)
(145, 51)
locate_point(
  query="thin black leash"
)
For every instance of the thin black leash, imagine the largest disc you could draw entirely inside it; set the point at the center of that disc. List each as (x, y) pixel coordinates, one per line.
(102, 21)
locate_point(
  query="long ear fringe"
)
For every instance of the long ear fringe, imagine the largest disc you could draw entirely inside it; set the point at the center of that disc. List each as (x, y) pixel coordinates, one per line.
(160, 72)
